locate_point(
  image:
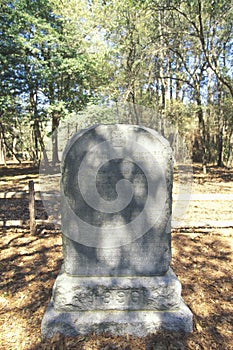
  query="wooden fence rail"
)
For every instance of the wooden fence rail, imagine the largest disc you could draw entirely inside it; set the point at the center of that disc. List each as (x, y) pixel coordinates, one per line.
(181, 197)
(33, 196)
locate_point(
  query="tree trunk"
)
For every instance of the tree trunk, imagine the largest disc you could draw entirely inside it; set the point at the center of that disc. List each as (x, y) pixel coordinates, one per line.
(209, 114)
(2, 150)
(230, 153)
(36, 144)
(55, 124)
(7, 145)
(221, 123)
(14, 148)
(41, 142)
(202, 133)
(220, 148)
(32, 207)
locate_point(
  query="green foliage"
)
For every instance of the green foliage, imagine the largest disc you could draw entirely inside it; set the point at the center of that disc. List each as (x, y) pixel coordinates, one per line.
(172, 56)
(93, 114)
(42, 65)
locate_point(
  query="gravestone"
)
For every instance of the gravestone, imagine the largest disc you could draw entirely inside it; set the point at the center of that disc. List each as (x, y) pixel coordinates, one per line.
(116, 202)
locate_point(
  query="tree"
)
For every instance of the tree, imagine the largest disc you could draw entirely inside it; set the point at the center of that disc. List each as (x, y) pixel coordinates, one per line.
(172, 56)
(43, 66)
(201, 42)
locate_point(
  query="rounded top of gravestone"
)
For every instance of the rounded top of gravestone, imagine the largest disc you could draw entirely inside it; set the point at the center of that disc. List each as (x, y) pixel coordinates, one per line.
(116, 185)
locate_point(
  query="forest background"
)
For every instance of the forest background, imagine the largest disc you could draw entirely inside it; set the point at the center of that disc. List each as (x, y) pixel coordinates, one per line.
(80, 60)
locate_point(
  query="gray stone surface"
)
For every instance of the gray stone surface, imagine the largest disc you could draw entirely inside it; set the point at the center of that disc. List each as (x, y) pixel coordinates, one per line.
(116, 192)
(137, 323)
(117, 293)
(106, 234)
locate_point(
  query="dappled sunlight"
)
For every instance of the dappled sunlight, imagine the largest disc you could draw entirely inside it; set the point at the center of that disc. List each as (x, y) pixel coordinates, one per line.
(203, 263)
(202, 260)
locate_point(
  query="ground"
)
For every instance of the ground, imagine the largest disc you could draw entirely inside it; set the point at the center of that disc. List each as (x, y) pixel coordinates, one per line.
(202, 260)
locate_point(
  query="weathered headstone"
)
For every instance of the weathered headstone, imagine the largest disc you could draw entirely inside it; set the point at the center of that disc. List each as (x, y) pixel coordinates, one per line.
(116, 190)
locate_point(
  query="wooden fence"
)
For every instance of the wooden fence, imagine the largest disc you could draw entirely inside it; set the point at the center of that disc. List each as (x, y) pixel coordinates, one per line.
(32, 196)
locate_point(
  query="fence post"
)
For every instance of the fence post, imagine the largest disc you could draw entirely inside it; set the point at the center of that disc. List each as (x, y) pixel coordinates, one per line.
(32, 207)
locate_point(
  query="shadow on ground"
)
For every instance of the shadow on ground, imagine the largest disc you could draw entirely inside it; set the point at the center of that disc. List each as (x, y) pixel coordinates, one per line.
(30, 264)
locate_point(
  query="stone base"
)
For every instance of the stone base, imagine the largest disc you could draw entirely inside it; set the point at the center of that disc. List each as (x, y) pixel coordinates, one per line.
(73, 293)
(118, 305)
(136, 323)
